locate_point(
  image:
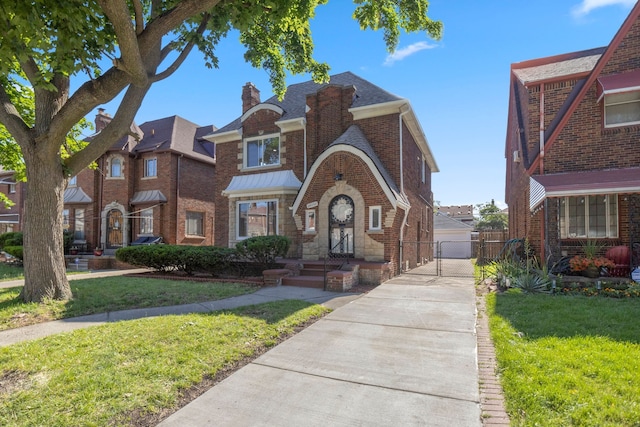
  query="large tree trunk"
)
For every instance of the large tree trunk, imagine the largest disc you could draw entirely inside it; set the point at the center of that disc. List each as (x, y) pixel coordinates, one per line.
(44, 264)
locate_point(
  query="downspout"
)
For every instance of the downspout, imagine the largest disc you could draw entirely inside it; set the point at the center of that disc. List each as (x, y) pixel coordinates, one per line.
(541, 171)
(178, 195)
(406, 208)
(304, 139)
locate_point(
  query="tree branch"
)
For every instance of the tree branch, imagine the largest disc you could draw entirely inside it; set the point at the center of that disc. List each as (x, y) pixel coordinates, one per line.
(171, 19)
(137, 7)
(117, 12)
(10, 117)
(183, 55)
(118, 127)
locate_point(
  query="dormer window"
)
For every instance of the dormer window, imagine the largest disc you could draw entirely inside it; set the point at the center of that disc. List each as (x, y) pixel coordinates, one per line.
(262, 151)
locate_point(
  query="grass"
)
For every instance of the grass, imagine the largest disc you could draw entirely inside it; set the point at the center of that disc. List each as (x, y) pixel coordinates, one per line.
(107, 294)
(10, 272)
(568, 360)
(122, 373)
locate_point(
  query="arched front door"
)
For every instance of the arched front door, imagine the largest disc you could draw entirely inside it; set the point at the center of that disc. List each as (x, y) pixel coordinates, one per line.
(114, 229)
(341, 214)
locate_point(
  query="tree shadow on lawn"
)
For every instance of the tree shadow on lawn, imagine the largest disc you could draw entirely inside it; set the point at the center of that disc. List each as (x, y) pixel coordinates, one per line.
(539, 316)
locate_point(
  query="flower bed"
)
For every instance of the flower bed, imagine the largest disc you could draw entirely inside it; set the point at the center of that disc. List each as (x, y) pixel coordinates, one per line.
(602, 287)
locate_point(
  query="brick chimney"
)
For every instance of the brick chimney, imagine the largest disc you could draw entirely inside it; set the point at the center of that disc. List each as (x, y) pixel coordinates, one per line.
(250, 97)
(102, 119)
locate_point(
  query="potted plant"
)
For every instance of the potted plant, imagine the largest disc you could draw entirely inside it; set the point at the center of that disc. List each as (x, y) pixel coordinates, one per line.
(97, 251)
(589, 264)
(73, 250)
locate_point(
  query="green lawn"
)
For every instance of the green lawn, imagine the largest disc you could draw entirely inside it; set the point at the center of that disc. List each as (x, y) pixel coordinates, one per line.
(10, 272)
(132, 372)
(568, 360)
(101, 295)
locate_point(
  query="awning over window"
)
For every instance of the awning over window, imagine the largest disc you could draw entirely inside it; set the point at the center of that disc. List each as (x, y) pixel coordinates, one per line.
(9, 218)
(75, 195)
(149, 196)
(618, 83)
(582, 183)
(279, 182)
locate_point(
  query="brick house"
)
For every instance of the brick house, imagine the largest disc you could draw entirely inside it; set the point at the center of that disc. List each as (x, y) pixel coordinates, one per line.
(157, 187)
(572, 149)
(11, 216)
(341, 168)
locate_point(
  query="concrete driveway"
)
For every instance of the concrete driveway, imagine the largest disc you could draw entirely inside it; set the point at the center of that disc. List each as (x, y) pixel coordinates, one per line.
(402, 355)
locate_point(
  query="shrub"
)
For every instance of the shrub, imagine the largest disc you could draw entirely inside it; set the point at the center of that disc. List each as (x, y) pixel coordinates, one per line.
(189, 259)
(263, 250)
(16, 251)
(12, 238)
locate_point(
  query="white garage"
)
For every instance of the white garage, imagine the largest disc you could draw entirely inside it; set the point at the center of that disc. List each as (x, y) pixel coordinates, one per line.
(453, 236)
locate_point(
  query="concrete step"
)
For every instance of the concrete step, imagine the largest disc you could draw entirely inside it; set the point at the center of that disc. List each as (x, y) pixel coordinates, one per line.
(304, 281)
(318, 272)
(78, 264)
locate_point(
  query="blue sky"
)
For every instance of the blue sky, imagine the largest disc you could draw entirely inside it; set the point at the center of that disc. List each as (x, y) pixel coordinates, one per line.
(458, 86)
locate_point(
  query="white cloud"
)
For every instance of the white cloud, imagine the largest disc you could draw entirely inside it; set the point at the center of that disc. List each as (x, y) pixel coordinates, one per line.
(586, 6)
(400, 54)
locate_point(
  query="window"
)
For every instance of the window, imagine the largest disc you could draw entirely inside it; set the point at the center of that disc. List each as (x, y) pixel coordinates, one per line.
(78, 233)
(262, 152)
(310, 222)
(257, 219)
(589, 217)
(424, 169)
(12, 188)
(73, 181)
(146, 221)
(194, 224)
(621, 109)
(115, 170)
(151, 167)
(65, 219)
(375, 218)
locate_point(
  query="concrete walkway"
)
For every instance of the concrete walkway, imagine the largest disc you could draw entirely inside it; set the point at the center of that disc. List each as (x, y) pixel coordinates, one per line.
(404, 354)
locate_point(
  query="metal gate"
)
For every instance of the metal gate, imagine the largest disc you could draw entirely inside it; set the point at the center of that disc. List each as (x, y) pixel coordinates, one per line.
(446, 258)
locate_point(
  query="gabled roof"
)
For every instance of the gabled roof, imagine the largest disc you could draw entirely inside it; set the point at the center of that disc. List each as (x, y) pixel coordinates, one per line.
(554, 67)
(294, 102)
(353, 140)
(445, 222)
(368, 97)
(582, 88)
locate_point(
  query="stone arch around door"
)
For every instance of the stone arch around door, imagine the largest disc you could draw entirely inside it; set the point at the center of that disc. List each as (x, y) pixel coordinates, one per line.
(341, 188)
(114, 227)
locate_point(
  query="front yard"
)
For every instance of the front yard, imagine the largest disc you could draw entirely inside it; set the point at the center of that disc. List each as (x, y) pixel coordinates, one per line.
(567, 359)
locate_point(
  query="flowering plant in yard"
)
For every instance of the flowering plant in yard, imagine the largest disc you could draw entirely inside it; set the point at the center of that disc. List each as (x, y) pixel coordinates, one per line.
(581, 263)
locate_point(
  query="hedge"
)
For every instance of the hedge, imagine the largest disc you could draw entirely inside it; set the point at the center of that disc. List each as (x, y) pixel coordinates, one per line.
(16, 251)
(12, 238)
(263, 250)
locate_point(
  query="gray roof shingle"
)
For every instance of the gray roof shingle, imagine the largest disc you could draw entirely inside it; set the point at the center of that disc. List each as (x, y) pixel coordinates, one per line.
(294, 101)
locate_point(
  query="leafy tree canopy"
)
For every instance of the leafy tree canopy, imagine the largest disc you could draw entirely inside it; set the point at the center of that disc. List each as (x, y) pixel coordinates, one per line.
(491, 217)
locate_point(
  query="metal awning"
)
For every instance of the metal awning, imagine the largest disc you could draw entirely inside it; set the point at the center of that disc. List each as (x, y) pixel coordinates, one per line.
(279, 182)
(618, 83)
(610, 181)
(9, 218)
(148, 196)
(75, 195)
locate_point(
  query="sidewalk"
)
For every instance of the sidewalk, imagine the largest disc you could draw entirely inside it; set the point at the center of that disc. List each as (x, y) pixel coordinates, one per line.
(404, 354)
(332, 300)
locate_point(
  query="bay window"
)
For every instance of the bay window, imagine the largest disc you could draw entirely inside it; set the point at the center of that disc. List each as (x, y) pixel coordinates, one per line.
(589, 216)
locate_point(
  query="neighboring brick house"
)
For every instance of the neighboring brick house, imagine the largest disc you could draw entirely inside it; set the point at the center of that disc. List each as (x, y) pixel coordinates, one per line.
(341, 168)
(11, 216)
(572, 146)
(160, 186)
